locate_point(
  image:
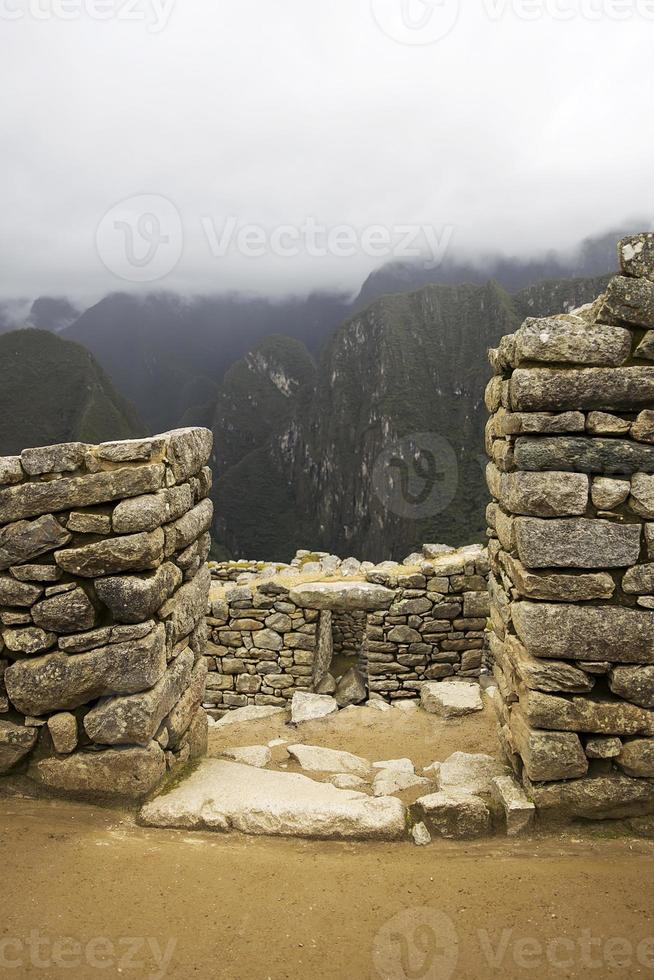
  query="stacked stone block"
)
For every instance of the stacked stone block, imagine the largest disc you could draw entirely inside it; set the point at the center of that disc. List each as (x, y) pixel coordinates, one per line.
(571, 439)
(103, 595)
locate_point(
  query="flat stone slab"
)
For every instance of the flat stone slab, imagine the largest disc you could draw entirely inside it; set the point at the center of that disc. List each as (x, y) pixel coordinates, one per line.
(316, 759)
(451, 699)
(310, 707)
(224, 796)
(250, 755)
(253, 712)
(343, 596)
(463, 772)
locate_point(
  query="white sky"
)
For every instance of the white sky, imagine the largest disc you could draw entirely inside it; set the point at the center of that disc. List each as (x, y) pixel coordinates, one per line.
(527, 126)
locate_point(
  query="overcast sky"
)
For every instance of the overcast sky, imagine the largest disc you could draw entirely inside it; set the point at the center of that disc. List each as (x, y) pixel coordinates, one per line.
(240, 132)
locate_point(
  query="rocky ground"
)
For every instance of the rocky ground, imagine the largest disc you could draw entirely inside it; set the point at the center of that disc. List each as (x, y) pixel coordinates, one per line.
(143, 903)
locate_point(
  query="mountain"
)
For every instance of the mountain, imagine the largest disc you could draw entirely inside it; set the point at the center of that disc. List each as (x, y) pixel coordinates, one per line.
(167, 353)
(386, 451)
(53, 391)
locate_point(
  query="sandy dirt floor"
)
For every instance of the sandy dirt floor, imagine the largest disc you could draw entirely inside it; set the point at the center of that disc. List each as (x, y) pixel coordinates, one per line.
(88, 893)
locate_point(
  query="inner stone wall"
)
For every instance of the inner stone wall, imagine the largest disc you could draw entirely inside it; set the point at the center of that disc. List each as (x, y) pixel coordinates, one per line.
(571, 440)
(103, 595)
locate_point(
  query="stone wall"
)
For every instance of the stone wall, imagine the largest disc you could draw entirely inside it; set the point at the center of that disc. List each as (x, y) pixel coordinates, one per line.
(571, 440)
(405, 624)
(103, 596)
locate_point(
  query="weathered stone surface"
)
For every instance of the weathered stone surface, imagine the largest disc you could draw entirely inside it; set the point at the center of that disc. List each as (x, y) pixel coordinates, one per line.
(33, 499)
(58, 682)
(547, 755)
(458, 817)
(250, 755)
(583, 714)
(342, 596)
(391, 781)
(518, 810)
(35, 573)
(529, 423)
(545, 494)
(83, 522)
(351, 689)
(451, 699)
(27, 539)
(183, 532)
(150, 511)
(588, 633)
(133, 598)
(135, 719)
(631, 300)
(583, 455)
(132, 552)
(63, 458)
(558, 587)
(464, 772)
(29, 640)
(253, 712)
(637, 256)
(639, 580)
(603, 747)
(545, 389)
(637, 758)
(13, 593)
(642, 495)
(16, 742)
(187, 607)
(267, 639)
(598, 797)
(10, 470)
(124, 773)
(105, 636)
(183, 712)
(309, 707)
(604, 424)
(607, 494)
(67, 613)
(223, 796)
(645, 349)
(550, 676)
(643, 427)
(63, 731)
(404, 634)
(195, 741)
(188, 451)
(132, 450)
(576, 543)
(635, 684)
(570, 339)
(315, 759)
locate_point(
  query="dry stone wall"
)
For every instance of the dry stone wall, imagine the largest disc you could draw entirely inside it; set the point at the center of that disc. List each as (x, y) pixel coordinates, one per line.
(404, 624)
(571, 439)
(103, 595)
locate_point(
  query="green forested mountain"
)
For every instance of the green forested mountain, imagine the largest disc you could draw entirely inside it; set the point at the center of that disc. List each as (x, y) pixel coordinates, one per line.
(52, 390)
(387, 448)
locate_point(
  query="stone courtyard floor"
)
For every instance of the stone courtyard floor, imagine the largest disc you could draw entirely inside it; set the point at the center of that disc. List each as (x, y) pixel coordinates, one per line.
(141, 903)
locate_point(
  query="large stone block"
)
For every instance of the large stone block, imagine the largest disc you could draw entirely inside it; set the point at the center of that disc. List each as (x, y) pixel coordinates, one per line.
(637, 758)
(183, 532)
(16, 742)
(572, 340)
(64, 458)
(33, 499)
(123, 773)
(631, 300)
(545, 494)
(59, 682)
(134, 598)
(586, 633)
(635, 684)
(342, 596)
(580, 455)
(188, 451)
(187, 607)
(554, 587)
(597, 798)
(13, 593)
(532, 423)
(642, 495)
(131, 552)
(551, 676)
(548, 756)
(150, 511)
(584, 714)
(27, 539)
(10, 470)
(183, 712)
(576, 543)
(546, 389)
(134, 719)
(637, 256)
(69, 612)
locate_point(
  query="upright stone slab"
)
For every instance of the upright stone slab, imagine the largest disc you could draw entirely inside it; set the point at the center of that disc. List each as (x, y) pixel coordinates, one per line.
(103, 598)
(571, 548)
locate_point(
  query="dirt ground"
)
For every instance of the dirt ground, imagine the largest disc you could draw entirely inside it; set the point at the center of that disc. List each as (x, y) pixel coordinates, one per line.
(88, 893)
